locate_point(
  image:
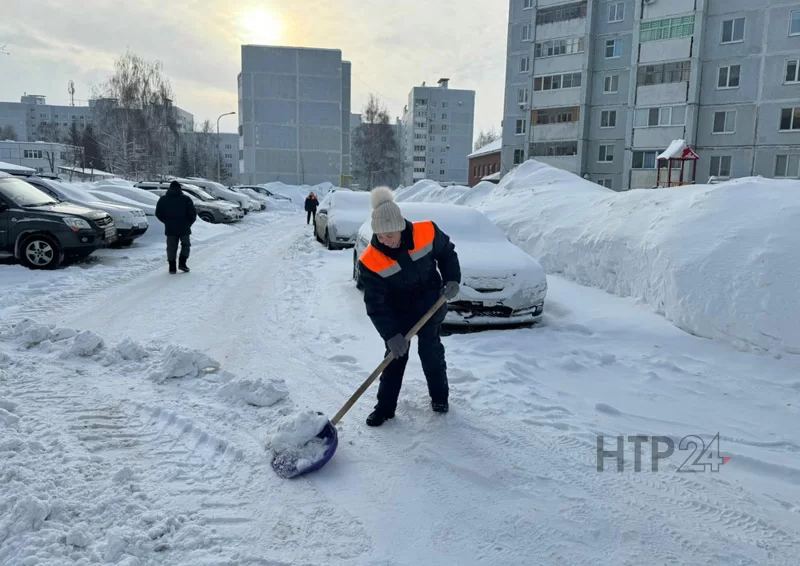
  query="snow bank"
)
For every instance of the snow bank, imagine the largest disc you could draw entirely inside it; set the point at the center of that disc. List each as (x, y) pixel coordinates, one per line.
(719, 261)
(257, 392)
(427, 190)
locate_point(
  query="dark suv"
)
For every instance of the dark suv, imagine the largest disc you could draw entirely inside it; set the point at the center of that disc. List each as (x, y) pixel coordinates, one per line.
(41, 232)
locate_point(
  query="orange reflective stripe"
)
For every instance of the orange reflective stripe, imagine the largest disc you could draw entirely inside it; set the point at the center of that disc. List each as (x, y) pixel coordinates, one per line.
(378, 263)
(424, 234)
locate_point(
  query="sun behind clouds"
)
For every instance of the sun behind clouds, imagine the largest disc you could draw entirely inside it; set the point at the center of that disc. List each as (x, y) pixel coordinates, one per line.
(260, 26)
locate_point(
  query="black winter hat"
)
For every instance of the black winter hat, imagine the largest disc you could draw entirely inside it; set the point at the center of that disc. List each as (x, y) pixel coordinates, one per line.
(175, 185)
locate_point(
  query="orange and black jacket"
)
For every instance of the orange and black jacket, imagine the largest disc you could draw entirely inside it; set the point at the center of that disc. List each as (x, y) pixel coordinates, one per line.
(401, 284)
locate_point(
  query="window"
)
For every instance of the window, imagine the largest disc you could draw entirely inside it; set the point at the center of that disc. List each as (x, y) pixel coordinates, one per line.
(613, 48)
(669, 28)
(558, 47)
(720, 166)
(611, 84)
(228, 146)
(527, 4)
(794, 23)
(733, 31)
(444, 138)
(519, 156)
(665, 73)
(561, 13)
(608, 119)
(419, 169)
(444, 104)
(790, 119)
(522, 127)
(724, 122)
(228, 156)
(654, 117)
(555, 82)
(644, 159)
(525, 65)
(32, 154)
(787, 166)
(444, 116)
(728, 77)
(526, 32)
(442, 161)
(444, 127)
(616, 12)
(522, 96)
(441, 171)
(792, 70)
(605, 183)
(606, 153)
(556, 115)
(554, 149)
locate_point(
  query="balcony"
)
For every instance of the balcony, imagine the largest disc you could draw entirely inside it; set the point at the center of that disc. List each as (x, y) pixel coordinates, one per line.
(571, 163)
(644, 178)
(647, 137)
(564, 20)
(553, 132)
(666, 50)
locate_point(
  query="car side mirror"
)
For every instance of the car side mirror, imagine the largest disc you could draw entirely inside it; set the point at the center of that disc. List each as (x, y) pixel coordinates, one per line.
(3, 206)
(323, 210)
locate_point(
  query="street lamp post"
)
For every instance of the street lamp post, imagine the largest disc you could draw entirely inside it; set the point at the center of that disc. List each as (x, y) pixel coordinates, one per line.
(219, 151)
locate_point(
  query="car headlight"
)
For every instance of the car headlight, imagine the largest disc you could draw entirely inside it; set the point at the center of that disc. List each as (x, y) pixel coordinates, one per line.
(77, 224)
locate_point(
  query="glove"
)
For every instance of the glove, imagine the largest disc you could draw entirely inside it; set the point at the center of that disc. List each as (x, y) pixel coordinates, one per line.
(398, 345)
(451, 289)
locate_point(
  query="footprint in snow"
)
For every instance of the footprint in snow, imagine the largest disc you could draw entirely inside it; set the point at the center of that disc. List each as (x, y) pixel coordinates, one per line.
(343, 360)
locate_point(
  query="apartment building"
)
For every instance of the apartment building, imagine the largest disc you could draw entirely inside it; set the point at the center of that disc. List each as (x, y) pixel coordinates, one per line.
(601, 88)
(45, 158)
(294, 115)
(436, 134)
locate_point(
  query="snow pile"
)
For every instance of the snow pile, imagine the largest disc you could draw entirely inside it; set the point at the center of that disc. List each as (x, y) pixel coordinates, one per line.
(718, 261)
(296, 439)
(257, 392)
(431, 191)
(180, 362)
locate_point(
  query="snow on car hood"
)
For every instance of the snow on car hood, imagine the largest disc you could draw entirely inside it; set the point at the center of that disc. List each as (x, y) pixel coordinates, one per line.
(346, 221)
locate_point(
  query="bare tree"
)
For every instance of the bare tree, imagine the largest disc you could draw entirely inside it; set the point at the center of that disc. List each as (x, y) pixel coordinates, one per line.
(204, 151)
(485, 138)
(135, 118)
(375, 151)
(8, 133)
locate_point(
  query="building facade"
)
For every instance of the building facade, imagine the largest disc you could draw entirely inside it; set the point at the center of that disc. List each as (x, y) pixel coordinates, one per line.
(601, 88)
(44, 157)
(484, 162)
(294, 115)
(436, 133)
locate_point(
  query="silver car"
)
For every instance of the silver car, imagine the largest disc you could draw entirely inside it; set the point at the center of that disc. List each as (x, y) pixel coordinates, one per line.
(339, 216)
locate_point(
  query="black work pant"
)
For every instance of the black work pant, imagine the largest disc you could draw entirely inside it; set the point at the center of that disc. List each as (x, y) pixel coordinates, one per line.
(309, 214)
(172, 247)
(434, 366)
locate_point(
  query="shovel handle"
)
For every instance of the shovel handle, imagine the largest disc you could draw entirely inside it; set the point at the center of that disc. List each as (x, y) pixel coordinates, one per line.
(386, 361)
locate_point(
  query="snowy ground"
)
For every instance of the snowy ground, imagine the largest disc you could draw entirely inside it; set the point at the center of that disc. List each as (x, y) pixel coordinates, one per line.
(140, 440)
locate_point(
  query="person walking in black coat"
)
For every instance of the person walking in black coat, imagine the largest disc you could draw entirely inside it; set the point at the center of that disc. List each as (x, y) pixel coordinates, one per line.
(177, 212)
(400, 272)
(311, 207)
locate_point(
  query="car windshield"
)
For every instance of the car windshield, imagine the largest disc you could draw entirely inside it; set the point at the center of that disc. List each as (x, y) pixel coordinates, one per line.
(199, 193)
(24, 194)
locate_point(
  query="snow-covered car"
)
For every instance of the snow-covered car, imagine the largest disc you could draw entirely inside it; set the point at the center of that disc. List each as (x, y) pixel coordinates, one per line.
(131, 222)
(209, 209)
(263, 191)
(339, 216)
(102, 190)
(500, 283)
(220, 191)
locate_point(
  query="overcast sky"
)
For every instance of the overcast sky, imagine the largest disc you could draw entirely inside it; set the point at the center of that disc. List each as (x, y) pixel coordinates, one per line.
(393, 46)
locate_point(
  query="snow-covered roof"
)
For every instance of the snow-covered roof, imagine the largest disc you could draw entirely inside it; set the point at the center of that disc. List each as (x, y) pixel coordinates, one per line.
(493, 147)
(92, 172)
(677, 150)
(9, 167)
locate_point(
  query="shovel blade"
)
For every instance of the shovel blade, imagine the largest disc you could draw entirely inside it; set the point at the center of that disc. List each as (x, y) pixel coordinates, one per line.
(285, 464)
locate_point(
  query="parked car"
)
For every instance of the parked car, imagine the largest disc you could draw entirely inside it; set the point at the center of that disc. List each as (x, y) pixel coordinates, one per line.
(339, 216)
(125, 194)
(131, 222)
(262, 191)
(218, 190)
(209, 210)
(500, 283)
(40, 231)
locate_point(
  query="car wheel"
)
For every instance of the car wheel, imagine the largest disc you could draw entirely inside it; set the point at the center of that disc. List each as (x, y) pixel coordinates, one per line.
(356, 274)
(41, 252)
(126, 243)
(207, 217)
(328, 242)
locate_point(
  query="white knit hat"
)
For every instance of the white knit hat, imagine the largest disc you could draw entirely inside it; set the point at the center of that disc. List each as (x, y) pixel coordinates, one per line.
(386, 215)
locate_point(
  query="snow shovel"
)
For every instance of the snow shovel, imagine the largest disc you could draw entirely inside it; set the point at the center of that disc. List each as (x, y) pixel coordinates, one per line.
(285, 464)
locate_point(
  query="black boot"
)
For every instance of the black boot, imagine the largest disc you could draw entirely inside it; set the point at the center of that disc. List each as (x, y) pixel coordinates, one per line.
(182, 265)
(172, 269)
(378, 417)
(440, 407)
